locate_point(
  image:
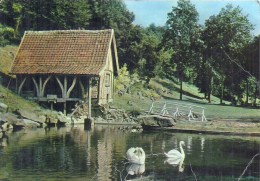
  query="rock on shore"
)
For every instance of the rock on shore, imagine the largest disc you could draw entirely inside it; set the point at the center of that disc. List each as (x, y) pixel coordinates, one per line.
(156, 121)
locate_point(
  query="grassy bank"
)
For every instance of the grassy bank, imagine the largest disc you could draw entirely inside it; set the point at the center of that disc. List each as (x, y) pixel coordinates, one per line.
(168, 91)
(7, 54)
(14, 101)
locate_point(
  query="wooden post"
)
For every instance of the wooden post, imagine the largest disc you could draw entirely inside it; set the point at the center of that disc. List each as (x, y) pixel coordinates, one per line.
(99, 90)
(89, 97)
(65, 94)
(16, 84)
(89, 122)
(41, 92)
(44, 84)
(36, 87)
(21, 85)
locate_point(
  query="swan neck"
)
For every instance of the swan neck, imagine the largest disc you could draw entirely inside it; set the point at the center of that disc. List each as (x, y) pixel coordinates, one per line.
(182, 151)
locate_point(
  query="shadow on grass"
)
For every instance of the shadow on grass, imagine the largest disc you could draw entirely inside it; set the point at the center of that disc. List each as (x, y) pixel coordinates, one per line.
(173, 87)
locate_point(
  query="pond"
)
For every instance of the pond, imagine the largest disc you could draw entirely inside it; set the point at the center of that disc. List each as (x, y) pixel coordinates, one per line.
(72, 153)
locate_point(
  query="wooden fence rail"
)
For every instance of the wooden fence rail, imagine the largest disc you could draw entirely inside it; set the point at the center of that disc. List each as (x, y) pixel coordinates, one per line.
(177, 110)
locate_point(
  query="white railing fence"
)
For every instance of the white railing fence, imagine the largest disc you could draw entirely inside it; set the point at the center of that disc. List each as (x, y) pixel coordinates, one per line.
(176, 110)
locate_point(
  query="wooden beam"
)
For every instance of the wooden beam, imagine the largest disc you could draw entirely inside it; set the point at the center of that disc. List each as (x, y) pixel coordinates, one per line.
(72, 86)
(115, 51)
(64, 95)
(99, 89)
(60, 84)
(44, 85)
(82, 88)
(89, 97)
(21, 85)
(16, 83)
(40, 86)
(36, 86)
(65, 87)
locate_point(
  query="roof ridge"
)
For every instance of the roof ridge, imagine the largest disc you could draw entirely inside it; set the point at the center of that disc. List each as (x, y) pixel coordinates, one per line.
(68, 31)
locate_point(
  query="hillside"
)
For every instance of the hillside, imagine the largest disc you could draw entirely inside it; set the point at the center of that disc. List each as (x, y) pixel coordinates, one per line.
(168, 91)
(7, 54)
(162, 89)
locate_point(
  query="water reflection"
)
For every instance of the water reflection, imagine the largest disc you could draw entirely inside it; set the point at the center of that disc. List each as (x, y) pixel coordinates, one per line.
(72, 153)
(3, 142)
(135, 169)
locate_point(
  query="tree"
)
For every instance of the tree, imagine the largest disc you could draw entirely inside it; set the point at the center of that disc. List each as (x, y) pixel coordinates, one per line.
(225, 35)
(24, 15)
(252, 67)
(151, 55)
(181, 36)
(114, 14)
(6, 34)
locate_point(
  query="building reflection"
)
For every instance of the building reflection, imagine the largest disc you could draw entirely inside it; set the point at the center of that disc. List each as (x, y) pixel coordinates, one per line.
(104, 157)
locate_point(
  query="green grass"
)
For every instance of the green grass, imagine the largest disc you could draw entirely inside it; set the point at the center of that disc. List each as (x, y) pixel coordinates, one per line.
(7, 54)
(14, 101)
(169, 92)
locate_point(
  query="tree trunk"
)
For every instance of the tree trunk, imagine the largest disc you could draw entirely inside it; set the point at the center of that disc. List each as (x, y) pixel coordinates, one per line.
(210, 89)
(222, 93)
(181, 88)
(209, 101)
(247, 92)
(256, 92)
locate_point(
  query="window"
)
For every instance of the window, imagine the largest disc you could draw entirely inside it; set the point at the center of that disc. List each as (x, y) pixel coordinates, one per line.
(107, 80)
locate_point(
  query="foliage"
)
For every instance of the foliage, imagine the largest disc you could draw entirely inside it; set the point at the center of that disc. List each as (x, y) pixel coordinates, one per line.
(114, 14)
(252, 57)
(225, 35)
(6, 34)
(181, 36)
(44, 15)
(149, 55)
(122, 81)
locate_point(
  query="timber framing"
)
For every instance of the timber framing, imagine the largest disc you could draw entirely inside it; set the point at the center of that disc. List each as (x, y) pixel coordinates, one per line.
(67, 66)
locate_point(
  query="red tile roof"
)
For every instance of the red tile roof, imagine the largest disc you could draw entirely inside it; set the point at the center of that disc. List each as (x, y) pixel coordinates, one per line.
(63, 52)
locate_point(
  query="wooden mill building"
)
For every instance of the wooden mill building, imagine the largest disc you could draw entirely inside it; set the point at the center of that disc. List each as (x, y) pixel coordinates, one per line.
(66, 66)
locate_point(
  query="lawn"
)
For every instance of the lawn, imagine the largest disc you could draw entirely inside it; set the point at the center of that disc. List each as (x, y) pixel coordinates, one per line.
(14, 101)
(7, 54)
(169, 93)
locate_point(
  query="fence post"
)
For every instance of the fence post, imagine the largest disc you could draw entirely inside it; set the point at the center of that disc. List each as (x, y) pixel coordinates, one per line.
(203, 115)
(151, 108)
(164, 110)
(176, 113)
(190, 115)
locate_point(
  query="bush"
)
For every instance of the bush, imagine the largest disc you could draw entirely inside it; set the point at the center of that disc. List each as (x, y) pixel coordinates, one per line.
(6, 35)
(122, 82)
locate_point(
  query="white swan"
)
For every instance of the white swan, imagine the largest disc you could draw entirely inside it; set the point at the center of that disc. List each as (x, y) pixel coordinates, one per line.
(176, 162)
(136, 155)
(175, 154)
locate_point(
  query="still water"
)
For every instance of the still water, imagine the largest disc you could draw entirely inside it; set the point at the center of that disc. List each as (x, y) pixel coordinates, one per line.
(72, 153)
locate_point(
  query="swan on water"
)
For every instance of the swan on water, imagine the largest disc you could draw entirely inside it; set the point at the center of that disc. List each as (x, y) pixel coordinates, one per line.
(136, 155)
(175, 154)
(176, 162)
